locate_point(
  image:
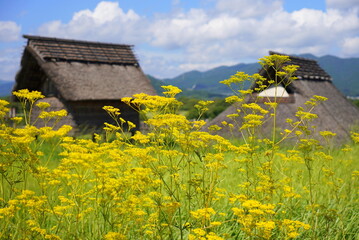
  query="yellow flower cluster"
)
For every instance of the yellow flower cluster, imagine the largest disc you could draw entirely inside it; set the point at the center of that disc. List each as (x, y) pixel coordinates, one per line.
(237, 78)
(30, 96)
(256, 218)
(53, 114)
(355, 137)
(176, 180)
(291, 227)
(171, 91)
(3, 109)
(200, 234)
(204, 213)
(112, 110)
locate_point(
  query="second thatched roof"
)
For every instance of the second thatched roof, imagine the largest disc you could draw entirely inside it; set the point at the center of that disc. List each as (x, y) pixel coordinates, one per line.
(337, 114)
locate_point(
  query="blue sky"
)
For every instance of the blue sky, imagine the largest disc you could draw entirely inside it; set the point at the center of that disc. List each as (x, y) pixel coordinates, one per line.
(175, 36)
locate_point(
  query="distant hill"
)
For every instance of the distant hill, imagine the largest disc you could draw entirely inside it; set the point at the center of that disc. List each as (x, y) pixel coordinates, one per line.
(200, 94)
(344, 71)
(5, 88)
(209, 80)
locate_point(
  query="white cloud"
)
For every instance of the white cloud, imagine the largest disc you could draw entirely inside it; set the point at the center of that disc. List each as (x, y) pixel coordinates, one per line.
(178, 30)
(9, 31)
(232, 31)
(249, 8)
(107, 22)
(203, 66)
(351, 46)
(9, 61)
(342, 4)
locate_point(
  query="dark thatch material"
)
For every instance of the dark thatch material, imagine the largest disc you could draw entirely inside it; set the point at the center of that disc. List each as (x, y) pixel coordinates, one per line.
(56, 105)
(309, 68)
(54, 49)
(337, 114)
(82, 75)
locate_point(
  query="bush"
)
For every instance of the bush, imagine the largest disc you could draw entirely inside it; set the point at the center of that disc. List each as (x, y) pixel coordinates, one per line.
(215, 107)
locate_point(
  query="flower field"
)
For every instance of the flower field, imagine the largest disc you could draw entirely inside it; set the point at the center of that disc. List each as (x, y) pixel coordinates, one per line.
(177, 181)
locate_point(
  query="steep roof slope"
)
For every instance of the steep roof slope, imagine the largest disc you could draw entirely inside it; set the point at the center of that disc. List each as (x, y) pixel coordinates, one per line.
(336, 114)
(82, 70)
(309, 69)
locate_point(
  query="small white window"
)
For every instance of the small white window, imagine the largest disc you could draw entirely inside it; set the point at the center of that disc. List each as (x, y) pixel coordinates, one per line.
(274, 91)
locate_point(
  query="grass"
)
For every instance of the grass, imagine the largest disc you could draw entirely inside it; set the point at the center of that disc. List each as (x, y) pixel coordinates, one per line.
(176, 181)
(333, 214)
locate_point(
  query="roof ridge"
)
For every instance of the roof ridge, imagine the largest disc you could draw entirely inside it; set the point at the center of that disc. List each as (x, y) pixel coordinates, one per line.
(33, 37)
(57, 49)
(292, 56)
(309, 68)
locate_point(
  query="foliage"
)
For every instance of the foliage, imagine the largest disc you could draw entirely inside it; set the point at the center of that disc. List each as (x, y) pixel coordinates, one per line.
(214, 109)
(177, 181)
(355, 102)
(12, 104)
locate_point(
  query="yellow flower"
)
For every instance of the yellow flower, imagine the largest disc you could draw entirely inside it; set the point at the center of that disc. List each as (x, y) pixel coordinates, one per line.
(114, 236)
(251, 204)
(265, 228)
(131, 125)
(213, 236)
(215, 223)
(202, 105)
(292, 234)
(355, 174)
(233, 99)
(110, 127)
(320, 98)
(327, 134)
(232, 116)
(255, 108)
(16, 119)
(8, 211)
(355, 137)
(274, 60)
(237, 78)
(292, 227)
(26, 95)
(3, 109)
(238, 211)
(205, 213)
(43, 105)
(112, 110)
(53, 114)
(306, 115)
(199, 231)
(141, 138)
(171, 91)
(214, 128)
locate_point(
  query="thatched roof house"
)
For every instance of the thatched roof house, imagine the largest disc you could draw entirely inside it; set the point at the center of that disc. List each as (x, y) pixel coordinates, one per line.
(82, 77)
(337, 114)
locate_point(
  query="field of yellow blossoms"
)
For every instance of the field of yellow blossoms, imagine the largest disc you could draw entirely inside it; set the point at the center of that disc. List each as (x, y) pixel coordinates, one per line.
(175, 181)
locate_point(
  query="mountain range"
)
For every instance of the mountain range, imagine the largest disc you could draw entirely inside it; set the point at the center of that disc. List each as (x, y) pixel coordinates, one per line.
(344, 71)
(205, 84)
(5, 88)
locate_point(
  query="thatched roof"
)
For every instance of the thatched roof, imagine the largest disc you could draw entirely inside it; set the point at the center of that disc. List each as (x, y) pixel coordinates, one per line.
(309, 69)
(54, 49)
(81, 70)
(336, 114)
